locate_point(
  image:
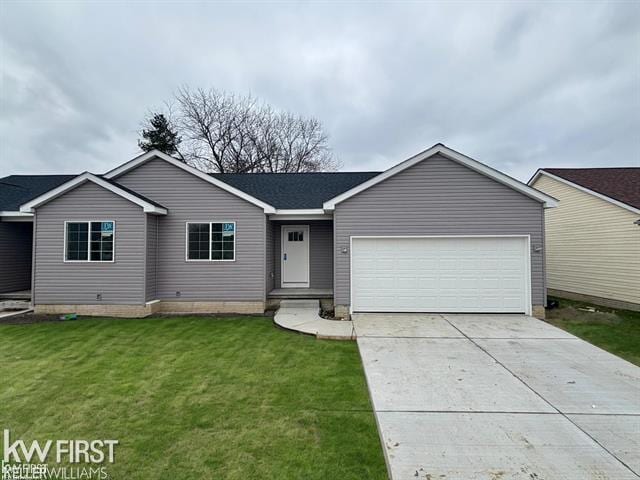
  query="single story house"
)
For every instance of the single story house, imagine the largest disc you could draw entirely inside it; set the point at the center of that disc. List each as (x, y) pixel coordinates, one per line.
(593, 237)
(439, 232)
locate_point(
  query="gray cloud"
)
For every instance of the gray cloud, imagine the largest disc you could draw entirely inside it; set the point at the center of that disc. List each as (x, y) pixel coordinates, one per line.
(517, 86)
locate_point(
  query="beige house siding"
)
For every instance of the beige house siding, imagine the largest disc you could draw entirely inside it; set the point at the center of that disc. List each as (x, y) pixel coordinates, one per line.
(592, 245)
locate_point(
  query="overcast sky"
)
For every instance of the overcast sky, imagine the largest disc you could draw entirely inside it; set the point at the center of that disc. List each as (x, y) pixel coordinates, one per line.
(517, 86)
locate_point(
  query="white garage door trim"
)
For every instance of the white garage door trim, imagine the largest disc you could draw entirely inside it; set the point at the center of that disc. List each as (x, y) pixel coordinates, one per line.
(527, 259)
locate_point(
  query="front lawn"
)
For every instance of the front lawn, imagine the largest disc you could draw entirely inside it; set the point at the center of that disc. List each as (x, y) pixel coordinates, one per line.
(193, 397)
(617, 331)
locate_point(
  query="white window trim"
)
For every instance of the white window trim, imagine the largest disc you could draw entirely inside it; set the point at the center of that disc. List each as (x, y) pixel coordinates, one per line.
(88, 260)
(210, 222)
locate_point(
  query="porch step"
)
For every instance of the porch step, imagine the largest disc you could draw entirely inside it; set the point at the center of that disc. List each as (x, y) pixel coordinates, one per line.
(300, 304)
(301, 293)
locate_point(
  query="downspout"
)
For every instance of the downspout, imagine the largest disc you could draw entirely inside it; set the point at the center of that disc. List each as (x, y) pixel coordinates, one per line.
(544, 259)
(155, 260)
(33, 260)
(145, 273)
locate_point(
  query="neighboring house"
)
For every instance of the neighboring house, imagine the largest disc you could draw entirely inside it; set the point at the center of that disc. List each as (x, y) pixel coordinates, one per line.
(593, 237)
(16, 228)
(440, 232)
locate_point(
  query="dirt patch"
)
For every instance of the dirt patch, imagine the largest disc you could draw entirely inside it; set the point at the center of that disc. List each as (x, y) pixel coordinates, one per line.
(328, 315)
(591, 315)
(27, 318)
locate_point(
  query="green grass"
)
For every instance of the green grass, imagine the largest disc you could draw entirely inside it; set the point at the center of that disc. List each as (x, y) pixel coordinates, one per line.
(617, 331)
(193, 397)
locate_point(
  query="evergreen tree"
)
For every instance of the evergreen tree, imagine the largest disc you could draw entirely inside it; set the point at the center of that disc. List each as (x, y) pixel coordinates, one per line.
(159, 135)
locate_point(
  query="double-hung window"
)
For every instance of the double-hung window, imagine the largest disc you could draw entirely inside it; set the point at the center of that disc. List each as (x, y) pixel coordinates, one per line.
(89, 241)
(211, 241)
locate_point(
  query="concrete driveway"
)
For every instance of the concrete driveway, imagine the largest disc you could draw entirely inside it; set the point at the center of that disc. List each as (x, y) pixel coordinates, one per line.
(497, 397)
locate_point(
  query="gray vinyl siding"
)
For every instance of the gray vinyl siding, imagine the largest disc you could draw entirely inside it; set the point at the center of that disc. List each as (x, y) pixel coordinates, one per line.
(437, 197)
(152, 257)
(191, 199)
(269, 257)
(320, 252)
(15, 256)
(119, 282)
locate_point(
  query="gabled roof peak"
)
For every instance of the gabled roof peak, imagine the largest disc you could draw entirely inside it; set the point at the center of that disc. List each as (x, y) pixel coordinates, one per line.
(618, 185)
(441, 149)
(157, 154)
(147, 205)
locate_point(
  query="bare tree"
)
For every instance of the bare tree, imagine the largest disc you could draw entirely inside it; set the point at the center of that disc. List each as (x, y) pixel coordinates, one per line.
(224, 133)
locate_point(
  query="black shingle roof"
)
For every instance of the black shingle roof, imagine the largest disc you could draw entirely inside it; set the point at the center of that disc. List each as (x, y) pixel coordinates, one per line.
(619, 183)
(18, 189)
(281, 190)
(294, 190)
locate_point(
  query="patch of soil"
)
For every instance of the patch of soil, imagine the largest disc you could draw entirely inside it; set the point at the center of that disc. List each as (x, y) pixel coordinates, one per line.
(328, 315)
(571, 313)
(27, 318)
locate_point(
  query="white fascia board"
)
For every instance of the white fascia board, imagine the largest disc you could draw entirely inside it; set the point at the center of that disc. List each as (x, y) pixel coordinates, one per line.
(11, 216)
(548, 201)
(7, 213)
(583, 189)
(301, 214)
(300, 211)
(145, 157)
(89, 177)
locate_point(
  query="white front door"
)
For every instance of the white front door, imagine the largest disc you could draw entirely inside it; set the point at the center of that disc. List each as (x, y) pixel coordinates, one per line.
(295, 256)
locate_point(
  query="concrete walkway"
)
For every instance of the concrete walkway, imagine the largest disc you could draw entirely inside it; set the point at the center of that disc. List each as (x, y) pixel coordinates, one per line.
(498, 397)
(303, 316)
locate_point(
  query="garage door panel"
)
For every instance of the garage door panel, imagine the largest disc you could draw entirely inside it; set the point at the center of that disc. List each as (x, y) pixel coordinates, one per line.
(406, 283)
(406, 264)
(425, 283)
(489, 264)
(513, 264)
(469, 282)
(440, 274)
(491, 304)
(426, 264)
(490, 283)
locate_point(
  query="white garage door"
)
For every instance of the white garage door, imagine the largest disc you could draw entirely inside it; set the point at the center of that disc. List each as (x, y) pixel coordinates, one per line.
(440, 274)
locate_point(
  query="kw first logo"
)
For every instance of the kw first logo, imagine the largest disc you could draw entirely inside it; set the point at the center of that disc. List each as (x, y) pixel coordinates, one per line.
(71, 451)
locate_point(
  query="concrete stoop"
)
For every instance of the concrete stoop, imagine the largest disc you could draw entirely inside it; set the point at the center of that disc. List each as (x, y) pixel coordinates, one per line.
(11, 308)
(303, 316)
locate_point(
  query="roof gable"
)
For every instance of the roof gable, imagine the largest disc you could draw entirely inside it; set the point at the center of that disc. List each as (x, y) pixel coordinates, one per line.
(153, 154)
(147, 205)
(620, 186)
(446, 152)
